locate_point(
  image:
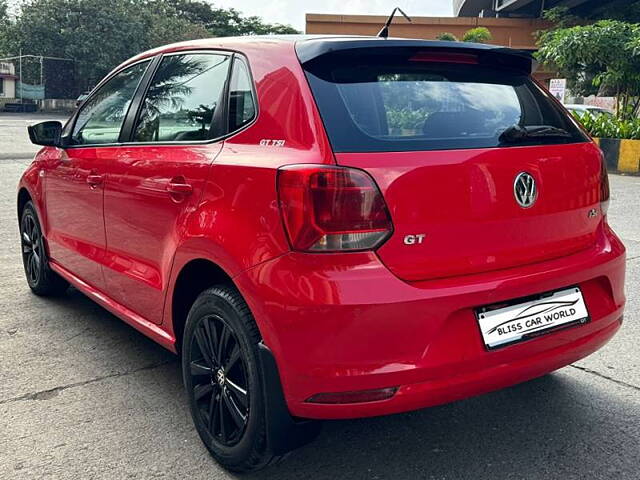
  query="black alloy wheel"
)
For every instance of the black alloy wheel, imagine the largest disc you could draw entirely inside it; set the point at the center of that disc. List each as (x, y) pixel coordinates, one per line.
(219, 380)
(32, 249)
(223, 378)
(41, 279)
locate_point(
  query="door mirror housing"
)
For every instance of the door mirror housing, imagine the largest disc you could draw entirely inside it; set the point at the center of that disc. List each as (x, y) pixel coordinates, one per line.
(46, 133)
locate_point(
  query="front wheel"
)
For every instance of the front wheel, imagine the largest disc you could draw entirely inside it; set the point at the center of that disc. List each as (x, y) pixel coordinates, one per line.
(222, 376)
(41, 279)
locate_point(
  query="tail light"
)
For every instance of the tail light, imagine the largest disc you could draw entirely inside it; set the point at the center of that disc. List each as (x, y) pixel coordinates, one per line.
(328, 209)
(604, 186)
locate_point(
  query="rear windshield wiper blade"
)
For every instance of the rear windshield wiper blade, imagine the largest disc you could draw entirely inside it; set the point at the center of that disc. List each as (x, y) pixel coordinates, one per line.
(518, 133)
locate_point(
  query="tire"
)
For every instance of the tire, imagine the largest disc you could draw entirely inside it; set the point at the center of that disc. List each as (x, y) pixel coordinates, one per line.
(41, 279)
(216, 372)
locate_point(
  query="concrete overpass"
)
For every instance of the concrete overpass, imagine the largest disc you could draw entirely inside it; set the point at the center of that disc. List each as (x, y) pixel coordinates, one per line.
(520, 8)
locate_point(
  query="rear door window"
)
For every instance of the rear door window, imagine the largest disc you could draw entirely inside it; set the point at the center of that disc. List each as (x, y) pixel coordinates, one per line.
(185, 96)
(376, 103)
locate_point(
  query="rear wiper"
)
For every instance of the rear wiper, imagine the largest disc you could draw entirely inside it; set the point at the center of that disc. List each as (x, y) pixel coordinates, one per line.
(518, 133)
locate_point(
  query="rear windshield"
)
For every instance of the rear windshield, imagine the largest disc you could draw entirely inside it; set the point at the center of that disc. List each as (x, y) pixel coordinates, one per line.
(374, 104)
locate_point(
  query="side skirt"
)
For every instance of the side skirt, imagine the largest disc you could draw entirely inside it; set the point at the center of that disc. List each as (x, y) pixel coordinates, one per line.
(144, 326)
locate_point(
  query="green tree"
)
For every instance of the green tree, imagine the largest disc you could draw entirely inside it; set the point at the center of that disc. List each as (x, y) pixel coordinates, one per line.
(221, 22)
(5, 25)
(477, 35)
(447, 37)
(604, 56)
(98, 34)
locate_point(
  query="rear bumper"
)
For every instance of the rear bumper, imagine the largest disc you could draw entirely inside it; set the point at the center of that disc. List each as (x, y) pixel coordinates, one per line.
(340, 323)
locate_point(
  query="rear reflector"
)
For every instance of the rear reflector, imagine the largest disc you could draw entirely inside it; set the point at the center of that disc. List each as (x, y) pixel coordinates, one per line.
(328, 209)
(604, 185)
(361, 396)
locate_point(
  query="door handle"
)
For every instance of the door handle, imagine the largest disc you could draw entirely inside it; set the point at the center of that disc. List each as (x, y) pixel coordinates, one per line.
(176, 188)
(94, 180)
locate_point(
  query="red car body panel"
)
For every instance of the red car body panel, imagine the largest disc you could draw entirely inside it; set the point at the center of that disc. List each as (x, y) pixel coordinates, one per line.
(352, 325)
(478, 230)
(338, 322)
(144, 220)
(76, 234)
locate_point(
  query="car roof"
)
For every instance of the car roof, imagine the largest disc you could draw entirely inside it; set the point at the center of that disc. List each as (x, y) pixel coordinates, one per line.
(311, 46)
(324, 39)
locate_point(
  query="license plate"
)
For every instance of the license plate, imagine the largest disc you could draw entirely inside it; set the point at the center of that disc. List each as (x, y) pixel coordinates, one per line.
(509, 324)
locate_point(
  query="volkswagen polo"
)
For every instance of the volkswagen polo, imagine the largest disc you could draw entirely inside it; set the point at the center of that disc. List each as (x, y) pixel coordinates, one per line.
(328, 227)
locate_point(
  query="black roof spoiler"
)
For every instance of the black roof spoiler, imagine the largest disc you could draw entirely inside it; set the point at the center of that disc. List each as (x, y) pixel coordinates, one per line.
(521, 60)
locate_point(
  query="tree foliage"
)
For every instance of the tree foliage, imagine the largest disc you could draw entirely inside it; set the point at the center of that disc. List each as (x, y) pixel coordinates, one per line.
(98, 34)
(447, 37)
(602, 57)
(477, 35)
(4, 26)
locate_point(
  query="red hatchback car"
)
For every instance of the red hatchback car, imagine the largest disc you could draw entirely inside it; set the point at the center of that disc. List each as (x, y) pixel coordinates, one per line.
(328, 227)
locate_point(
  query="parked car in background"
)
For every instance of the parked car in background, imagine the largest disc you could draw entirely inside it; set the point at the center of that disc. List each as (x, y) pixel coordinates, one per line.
(595, 111)
(82, 97)
(328, 227)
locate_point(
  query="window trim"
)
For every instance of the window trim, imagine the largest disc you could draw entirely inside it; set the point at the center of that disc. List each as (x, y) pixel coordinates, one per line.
(132, 116)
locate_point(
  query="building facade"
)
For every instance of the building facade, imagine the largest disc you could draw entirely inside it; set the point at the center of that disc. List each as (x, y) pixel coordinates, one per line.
(7, 80)
(525, 8)
(510, 32)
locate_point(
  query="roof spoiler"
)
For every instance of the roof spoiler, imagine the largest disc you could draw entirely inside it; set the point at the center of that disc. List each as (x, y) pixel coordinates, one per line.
(501, 57)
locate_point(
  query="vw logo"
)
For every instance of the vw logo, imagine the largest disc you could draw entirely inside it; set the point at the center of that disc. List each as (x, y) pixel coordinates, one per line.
(220, 377)
(525, 190)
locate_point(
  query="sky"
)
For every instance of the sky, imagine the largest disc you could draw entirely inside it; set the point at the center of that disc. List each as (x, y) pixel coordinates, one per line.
(292, 12)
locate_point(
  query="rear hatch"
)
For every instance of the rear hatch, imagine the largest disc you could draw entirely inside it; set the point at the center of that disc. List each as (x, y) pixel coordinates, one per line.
(480, 168)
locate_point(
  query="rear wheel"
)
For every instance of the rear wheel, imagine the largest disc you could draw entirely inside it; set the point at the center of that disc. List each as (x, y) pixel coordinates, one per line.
(41, 279)
(222, 376)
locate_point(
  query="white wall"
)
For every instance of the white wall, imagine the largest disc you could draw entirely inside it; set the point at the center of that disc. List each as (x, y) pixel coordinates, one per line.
(9, 90)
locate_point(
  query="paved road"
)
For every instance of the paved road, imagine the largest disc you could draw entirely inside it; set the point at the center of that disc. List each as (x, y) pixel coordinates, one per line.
(14, 141)
(82, 396)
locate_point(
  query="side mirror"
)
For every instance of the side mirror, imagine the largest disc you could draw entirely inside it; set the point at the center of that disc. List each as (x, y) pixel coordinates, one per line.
(46, 133)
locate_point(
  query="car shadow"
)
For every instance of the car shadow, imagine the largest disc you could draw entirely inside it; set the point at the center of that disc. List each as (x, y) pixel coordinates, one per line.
(552, 427)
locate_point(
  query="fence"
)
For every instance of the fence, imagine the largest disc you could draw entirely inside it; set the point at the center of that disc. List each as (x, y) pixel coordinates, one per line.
(39, 77)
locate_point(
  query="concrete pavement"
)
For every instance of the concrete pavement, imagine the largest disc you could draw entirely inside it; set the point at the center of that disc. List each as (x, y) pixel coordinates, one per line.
(14, 141)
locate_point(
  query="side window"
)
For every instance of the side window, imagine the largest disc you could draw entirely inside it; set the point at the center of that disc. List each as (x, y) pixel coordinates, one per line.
(102, 116)
(242, 107)
(183, 97)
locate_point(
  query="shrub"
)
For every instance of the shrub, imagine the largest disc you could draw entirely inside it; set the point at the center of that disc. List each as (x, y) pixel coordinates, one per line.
(606, 126)
(447, 37)
(477, 35)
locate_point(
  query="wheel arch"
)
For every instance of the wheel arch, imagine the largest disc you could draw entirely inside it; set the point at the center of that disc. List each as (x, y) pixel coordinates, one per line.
(194, 277)
(283, 432)
(23, 197)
